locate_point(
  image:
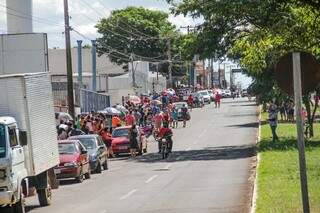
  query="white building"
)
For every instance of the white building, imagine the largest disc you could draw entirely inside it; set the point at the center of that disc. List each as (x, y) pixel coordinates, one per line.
(58, 70)
(146, 82)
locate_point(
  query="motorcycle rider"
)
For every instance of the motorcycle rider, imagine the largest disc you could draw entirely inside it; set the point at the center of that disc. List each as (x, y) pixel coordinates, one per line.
(165, 132)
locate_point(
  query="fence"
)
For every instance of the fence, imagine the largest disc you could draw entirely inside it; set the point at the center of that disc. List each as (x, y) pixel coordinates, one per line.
(86, 100)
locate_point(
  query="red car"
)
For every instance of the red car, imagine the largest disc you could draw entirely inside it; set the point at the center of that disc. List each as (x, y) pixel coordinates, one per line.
(74, 161)
(121, 144)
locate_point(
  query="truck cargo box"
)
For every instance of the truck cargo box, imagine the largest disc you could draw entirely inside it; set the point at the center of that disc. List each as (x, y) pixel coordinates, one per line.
(28, 98)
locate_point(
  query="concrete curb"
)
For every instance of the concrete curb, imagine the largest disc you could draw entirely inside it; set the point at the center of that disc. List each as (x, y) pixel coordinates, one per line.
(255, 186)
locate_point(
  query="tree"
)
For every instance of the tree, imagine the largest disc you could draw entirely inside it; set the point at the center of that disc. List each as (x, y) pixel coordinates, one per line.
(137, 32)
(257, 33)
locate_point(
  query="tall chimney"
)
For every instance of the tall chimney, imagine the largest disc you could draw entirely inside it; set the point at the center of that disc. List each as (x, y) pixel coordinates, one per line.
(19, 16)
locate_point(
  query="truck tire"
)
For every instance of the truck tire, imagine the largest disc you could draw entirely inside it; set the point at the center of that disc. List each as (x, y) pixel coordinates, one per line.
(19, 207)
(44, 196)
(7, 209)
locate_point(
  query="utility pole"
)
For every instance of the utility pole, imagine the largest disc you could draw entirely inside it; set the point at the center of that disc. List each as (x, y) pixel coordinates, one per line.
(133, 71)
(79, 63)
(69, 60)
(300, 129)
(94, 65)
(170, 63)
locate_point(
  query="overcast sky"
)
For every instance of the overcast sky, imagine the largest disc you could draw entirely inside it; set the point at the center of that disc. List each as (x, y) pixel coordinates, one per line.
(48, 16)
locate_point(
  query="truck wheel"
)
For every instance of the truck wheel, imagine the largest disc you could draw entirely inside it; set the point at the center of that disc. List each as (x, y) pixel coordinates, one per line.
(7, 209)
(45, 196)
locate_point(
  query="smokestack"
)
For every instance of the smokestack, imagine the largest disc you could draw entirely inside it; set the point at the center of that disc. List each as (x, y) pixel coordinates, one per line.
(19, 16)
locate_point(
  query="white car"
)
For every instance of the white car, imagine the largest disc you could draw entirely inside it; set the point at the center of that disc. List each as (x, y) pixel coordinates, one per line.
(206, 96)
(212, 96)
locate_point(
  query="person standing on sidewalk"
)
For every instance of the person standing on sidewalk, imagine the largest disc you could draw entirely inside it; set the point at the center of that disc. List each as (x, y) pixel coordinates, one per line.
(273, 120)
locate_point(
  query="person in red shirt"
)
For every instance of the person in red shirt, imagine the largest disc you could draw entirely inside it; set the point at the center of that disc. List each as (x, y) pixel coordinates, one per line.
(217, 100)
(190, 101)
(107, 139)
(158, 118)
(130, 120)
(165, 132)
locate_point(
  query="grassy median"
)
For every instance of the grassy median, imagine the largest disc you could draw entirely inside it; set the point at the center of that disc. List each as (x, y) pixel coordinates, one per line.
(278, 172)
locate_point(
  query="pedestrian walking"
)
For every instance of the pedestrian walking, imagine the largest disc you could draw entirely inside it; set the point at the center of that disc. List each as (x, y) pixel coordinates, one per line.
(174, 115)
(273, 121)
(283, 114)
(184, 114)
(217, 100)
(133, 134)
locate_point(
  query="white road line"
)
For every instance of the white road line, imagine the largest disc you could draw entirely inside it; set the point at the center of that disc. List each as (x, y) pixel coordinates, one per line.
(151, 179)
(188, 149)
(103, 211)
(167, 166)
(128, 194)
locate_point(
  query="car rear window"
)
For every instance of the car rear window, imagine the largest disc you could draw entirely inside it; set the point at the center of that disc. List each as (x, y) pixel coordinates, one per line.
(67, 148)
(120, 133)
(88, 143)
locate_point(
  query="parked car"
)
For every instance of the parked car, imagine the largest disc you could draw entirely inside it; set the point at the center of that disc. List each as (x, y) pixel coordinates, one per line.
(212, 96)
(244, 93)
(97, 150)
(178, 106)
(74, 161)
(206, 96)
(121, 144)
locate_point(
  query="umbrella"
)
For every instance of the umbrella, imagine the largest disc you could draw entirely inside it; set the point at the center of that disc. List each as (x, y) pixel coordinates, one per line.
(135, 99)
(121, 108)
(171, 92)
(110, 111)
(157, 102)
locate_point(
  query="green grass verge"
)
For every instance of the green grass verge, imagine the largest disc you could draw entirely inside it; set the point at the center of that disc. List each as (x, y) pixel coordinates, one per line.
(278, 172)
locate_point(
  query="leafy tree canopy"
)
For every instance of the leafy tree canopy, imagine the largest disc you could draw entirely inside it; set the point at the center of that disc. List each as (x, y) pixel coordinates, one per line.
(134, 30)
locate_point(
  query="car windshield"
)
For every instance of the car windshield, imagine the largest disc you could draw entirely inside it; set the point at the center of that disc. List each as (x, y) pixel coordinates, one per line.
(204, 93)
(2, 141)
(67, 148)
(120, 133)
(178, 106)
(88, 143)
(210, 92)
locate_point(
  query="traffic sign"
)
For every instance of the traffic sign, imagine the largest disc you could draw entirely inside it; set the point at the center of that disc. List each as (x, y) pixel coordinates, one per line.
(310, 73)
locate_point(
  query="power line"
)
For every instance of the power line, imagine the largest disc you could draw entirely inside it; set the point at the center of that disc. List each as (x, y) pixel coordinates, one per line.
(28, 16)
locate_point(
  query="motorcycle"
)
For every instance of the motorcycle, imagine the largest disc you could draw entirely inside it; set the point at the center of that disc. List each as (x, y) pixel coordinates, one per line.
(164, 146)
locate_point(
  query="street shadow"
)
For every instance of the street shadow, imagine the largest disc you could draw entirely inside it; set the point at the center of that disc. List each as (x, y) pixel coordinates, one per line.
(247, 125)
(29, 208)
(70, 181)
(207, 154)
(244, 115)
(244, 105)
(284, 144)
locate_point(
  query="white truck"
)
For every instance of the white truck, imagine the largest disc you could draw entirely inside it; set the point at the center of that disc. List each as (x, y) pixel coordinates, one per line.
(28, 141)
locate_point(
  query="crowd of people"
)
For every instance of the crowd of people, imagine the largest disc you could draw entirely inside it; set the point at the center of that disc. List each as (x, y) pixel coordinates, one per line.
(152, 116)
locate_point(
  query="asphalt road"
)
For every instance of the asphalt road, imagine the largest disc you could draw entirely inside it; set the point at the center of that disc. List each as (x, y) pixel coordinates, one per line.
(209, 171)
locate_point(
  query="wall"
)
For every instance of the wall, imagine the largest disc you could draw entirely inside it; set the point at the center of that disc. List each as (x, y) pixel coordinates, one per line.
(57, 62)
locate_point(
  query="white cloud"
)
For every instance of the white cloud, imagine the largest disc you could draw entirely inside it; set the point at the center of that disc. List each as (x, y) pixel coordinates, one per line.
(48, 16)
